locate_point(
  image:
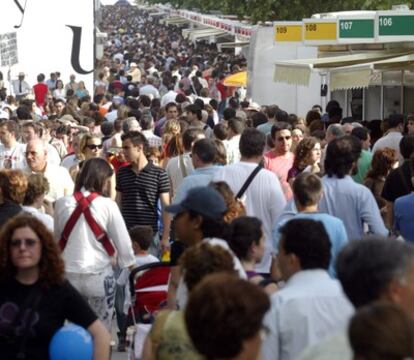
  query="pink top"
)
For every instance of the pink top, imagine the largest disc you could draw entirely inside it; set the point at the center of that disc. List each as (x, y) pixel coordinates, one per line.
(280, 165)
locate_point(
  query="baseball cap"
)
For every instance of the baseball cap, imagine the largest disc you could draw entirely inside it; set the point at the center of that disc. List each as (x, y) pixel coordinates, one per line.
(205, 201)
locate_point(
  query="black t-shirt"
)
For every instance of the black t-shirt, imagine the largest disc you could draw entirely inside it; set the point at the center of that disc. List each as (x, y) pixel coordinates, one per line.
(398, 183)
(56, 305)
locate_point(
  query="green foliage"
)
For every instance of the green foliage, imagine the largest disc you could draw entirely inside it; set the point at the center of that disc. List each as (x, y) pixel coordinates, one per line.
(271, 10)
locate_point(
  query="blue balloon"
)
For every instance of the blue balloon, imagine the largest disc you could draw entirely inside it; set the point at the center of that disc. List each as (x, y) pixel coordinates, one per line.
(71, 342)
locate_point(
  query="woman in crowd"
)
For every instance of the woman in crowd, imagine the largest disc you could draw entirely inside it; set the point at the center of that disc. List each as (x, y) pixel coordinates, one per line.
(307, 158)
(168, 338)
(13, 186)
(383, 161)
(90, 242)
(81, 91)
(90, 147)
(33, 285)
(382, 331)
(248, 243)
(59, 92)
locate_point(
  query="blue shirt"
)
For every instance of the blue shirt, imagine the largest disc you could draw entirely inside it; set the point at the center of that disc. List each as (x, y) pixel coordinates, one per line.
(198, 177)
(354, 204)
(403, 216)
(265, 128)
(333, 226)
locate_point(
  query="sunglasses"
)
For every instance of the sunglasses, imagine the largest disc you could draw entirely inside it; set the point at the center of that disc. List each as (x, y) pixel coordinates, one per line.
(281, 138)
(29, 243)
(94, 147)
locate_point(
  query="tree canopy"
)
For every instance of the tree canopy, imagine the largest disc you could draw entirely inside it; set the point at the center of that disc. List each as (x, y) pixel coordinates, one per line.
(272, 10)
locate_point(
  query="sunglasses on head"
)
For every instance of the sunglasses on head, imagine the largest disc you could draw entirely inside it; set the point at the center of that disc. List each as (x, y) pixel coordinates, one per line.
(93, 146)
(17, 243)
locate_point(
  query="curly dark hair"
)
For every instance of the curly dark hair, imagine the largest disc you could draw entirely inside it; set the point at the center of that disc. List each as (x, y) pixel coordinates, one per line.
(303, 152)
(51, 265)
(223, 312)
(382, 162)
(203, 259)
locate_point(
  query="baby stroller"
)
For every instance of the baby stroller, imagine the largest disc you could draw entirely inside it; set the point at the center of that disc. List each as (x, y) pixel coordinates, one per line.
(148, 287)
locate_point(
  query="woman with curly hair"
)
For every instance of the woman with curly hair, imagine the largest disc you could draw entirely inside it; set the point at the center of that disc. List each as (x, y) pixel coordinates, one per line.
(383, 161)
(35, 298)
(307, 157)
(13, 186)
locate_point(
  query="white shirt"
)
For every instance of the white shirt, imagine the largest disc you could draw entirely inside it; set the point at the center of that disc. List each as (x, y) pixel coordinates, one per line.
(391, 140)
(25, 87)
(44, 218)
(310, 307)
(14, 157)
(232, 149)
(83, 253)
(153, 139)
(150, 91)
(336, 347)
(69, 161)
(263, 199)
(60, 181)
(175, 172)
(112, 116)
(168, 97)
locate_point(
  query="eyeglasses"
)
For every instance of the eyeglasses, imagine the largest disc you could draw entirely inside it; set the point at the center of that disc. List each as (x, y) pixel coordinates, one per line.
(17, 243)
(281, 138)
(94, 146)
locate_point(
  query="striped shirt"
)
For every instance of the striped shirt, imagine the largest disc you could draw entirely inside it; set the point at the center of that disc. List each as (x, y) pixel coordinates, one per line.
(140, 194)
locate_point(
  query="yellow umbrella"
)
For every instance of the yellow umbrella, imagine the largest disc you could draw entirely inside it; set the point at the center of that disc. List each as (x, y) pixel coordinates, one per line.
(237, 80)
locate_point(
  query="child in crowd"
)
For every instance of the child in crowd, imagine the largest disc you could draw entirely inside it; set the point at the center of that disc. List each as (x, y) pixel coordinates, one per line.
(141, 237)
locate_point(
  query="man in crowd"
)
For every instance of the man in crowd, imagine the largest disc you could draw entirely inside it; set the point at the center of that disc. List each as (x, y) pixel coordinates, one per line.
(33, 131)
(393, 136)
(60, 181)
(263, 197)
(20, 87)
(147, 125)
(307, 192)
(311, 305)
(12, 153)
(369, 270)
(139, 186)
(353, 203)
(171, 113)
(279, 160)
(203, 154)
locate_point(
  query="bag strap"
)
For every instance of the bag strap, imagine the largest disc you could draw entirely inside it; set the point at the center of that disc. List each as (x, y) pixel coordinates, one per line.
(182, 166)
(83, 208)
(248, 181)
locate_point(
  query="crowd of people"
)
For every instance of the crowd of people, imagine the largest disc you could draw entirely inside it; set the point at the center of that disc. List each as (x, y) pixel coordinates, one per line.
(262, 215)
